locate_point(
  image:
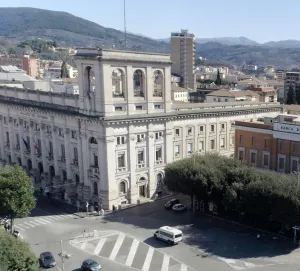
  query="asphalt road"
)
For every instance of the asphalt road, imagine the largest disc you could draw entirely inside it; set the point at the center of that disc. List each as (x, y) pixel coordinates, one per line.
(124, 241)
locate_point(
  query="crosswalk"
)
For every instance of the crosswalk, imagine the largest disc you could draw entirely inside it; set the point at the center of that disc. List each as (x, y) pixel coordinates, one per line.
(25, 224)
(130, 252)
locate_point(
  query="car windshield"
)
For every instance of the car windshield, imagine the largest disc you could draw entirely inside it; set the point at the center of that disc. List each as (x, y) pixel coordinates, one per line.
(48, 257)
(178, 235)
(93, 264)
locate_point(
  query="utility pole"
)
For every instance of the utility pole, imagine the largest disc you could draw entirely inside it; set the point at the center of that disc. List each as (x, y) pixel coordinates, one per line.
(87, 212)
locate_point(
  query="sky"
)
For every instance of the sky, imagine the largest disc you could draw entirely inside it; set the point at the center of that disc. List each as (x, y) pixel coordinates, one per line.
(259, 20)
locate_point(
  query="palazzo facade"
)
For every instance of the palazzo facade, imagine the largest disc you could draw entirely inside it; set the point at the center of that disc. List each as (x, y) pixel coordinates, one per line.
(110, 144)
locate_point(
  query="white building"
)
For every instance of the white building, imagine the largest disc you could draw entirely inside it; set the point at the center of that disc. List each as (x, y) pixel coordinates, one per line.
(226, 95)
(110, 143)
(179, 94)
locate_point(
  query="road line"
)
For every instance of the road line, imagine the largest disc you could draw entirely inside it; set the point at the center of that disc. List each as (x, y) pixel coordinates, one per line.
(132, 252)
(45, 220)
(100, 246)
(148, 259)
(19, 227)
(166, 261)
(183, 267)
(35, 223)
(23, 226)
(117, 247)
(29, 224)
(40, 221)
(54, 217)
(83, 245)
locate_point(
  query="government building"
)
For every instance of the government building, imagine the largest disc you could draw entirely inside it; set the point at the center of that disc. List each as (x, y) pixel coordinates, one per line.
(110, 144)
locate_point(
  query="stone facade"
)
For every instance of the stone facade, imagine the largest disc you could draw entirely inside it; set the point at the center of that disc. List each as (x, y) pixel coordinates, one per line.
(110, 143)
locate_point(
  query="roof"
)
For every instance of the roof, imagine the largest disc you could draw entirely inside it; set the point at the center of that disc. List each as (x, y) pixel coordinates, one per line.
(178, 89)
(15, 76)
(170, 229)
(10, 68)
(232, 93)
(292, 107)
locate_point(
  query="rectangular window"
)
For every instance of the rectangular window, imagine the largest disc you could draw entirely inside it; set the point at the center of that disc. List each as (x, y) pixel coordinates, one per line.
(226, 100)
(241, 139)
(18, 140)
(241, 155)
(212, 128)
(157, 106)
(50, 149)
(294, 166)
(201, 129)
(189, 147)
(139, 107)
(266, 160)
(60, 132)
(212, 144)
(293, 147)
(37, 127)
(141, 159)
(177, 150)
(190, 131)
(253, 157)
(222, 145)
(4, 120)
(39, 147)
(62, 151)
(280, 145)
(95, 160)
(158, 154)
(118, 108)
(75, 152)
(120, 140)
(74, 134)
(28, 143)
(177, 132)
(253, 140)
(281, 163)
(7, 137)
(223, 126)
(266, 143)
(201, 146)
(140, 138)
(121, 160)
(158, 135)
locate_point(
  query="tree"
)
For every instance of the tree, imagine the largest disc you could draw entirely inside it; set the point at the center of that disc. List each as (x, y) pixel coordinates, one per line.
(16, 255)
(64, 73)
(291, 96)
(218, 81)
(16, 193)
(298, 94)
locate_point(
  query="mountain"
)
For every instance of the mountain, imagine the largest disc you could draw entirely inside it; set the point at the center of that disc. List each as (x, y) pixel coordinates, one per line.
(283, 44)
(228, 41)
(30, 23)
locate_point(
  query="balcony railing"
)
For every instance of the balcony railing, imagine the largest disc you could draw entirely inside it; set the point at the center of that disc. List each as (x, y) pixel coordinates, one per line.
(118, 95)
(157, 94)
(138, 93)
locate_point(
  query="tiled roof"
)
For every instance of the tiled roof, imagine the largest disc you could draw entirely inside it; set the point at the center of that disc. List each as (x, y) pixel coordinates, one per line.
(232, 93)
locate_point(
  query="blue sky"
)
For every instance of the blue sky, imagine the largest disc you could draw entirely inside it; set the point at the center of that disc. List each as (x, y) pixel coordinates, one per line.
(260, 20)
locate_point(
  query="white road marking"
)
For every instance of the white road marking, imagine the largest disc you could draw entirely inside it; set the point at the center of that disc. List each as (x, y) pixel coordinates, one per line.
(238, 267)
(35, 223)
(83, 245)
(166, 261)
(54, 217)
(45, 220)
(229, 261)
(29, 224)
(183, 267)
(23, 226)
(40, 221)
(132, 252)
(100, 246)
(117, 247)
(249, 264)
(148, 259)
(19, 227)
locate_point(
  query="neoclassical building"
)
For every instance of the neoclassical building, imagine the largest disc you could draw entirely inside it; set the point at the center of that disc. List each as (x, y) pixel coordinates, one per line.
(110, 143)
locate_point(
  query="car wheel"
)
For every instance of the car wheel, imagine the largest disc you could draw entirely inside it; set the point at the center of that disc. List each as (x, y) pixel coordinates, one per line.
(155, 236)
(169, 242)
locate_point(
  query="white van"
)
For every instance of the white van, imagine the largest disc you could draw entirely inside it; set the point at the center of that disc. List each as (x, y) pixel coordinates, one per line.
(168, 234)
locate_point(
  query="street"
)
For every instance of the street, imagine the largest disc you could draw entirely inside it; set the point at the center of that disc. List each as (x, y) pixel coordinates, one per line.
(124, 241)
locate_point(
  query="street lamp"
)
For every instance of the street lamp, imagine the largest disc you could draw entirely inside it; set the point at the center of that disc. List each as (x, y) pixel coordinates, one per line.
(63, 255)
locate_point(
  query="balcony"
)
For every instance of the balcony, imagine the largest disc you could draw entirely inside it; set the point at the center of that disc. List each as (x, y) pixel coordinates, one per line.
(138, 93)
(75, 162)
(63, 159)
(159, 161)
(121, 169)
(141, 165)
(50, 157)
(94, 172)
(157, 93)
(118, 95)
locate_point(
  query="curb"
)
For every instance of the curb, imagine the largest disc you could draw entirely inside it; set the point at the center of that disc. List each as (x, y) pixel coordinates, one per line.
(250, 227)
(126, 208)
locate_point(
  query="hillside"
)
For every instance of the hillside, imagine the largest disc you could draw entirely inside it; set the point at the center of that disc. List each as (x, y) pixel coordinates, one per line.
(31, 23)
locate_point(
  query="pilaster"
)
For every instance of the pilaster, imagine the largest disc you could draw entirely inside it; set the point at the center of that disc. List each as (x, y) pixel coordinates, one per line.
(85, 157)
(130, 90)
(45, 152)
(2, 138)
(151, 160)
(21, 136)
(67, 140)
(168, 143)
(55, 149)
(11, 140)
(131, 158)
(149, 89)
(32, 144)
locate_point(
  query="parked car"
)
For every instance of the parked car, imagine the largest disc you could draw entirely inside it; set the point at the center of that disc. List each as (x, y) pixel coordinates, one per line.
(171, 203)
(90, 265)
(179, 208)
(47, 260)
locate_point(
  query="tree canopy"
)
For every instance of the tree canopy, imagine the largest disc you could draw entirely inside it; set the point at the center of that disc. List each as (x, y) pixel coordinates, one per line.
(16, 192)
(218, 81)
(234, 186)
(16, 255)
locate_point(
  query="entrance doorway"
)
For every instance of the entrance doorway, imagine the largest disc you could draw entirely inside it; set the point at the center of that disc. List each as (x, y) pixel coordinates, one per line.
(142, 190)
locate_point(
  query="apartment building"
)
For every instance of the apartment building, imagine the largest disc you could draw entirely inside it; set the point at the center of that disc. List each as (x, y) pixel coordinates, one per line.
(183, 57)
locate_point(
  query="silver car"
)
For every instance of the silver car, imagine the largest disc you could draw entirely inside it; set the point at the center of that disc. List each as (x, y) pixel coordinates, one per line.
(47, 260)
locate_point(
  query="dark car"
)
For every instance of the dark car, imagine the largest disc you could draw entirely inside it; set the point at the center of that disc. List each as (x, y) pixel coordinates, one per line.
(90, 265)
(171, 203)
(47, 260)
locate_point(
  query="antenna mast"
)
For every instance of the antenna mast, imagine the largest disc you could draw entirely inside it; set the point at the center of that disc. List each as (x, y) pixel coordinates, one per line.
(125, 32)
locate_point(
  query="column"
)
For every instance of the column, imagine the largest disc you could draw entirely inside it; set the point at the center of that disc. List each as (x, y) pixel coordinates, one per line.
(32, 144)
(56, 179)
(131, 161)
(149, 86)
(151, 160)
(67, 142)
(129, 90)
(22, 146)
(12, 138)
(45, 154)
(85, 161)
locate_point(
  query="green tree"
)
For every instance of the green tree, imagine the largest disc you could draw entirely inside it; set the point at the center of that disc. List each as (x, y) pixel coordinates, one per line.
(218, 80)
(16, 255)
(291, 96)
(298, 94)
(64, 73)
(16, 193)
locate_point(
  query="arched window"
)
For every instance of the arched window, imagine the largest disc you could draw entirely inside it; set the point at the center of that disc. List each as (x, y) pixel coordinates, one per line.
(118, 83)
(40, 168)
(77, 179)
(29, 165)
(95, 188)
(19, 161)
(158, 84)
(138, 83)
(52, 172)
(9, 159)
(64, 175)
(122, 187)
(93, 140)
(159, 179)
(89, 79)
